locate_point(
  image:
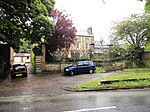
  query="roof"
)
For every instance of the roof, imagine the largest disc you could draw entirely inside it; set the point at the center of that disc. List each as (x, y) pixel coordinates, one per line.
(21, 54)
(83, 33)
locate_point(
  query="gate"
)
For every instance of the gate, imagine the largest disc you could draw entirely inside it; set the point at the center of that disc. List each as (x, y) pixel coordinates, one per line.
(1, 67)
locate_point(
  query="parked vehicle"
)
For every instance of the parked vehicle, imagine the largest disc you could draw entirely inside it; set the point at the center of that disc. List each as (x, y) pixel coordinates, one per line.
(80, 67)
(19, 70)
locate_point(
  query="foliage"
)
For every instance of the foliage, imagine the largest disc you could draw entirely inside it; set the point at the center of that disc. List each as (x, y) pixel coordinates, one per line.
(32, 62)
(147, 46)
(64, 34)
(147, 6)
(117, 51)
(134, 31)
(25, 19)
(147, 11)
(86, 56)
(100, 70)
(37, 50)
(25, 46)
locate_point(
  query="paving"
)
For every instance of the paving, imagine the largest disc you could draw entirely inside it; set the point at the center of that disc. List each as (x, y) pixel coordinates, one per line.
(45, 84)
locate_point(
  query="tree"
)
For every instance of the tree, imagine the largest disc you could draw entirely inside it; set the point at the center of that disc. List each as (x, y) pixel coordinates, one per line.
(25, 46)
(25, 19)
(147, 6)
(64, 34)
(147, 11)
(135, 31)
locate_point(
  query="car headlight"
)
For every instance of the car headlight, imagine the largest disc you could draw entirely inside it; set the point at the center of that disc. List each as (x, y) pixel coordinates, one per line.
(67, 70)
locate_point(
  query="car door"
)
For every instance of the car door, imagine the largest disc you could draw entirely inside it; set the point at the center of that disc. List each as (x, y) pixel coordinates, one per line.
(79, 68)
(86, 67)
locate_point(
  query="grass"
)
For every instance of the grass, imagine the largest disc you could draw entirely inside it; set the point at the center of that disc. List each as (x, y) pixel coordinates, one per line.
(94, 84)
(136, 70)
(100, 70)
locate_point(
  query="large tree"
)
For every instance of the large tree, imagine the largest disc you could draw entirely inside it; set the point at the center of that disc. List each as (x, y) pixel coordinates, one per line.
(147, 11)
(147, 6)
(64, 34)
(25, 19)
(134, 30)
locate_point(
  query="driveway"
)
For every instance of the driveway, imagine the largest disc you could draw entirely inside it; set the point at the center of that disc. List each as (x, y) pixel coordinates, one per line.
(45, 84)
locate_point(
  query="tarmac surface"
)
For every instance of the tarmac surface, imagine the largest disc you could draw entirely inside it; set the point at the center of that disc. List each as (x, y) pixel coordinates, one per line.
(45, 84)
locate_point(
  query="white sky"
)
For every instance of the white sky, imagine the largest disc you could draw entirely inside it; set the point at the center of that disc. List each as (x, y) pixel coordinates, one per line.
(99, 16)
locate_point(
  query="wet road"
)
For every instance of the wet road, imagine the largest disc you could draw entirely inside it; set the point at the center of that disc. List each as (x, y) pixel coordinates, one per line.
(112, 101)
(46, 94)
(44, 84)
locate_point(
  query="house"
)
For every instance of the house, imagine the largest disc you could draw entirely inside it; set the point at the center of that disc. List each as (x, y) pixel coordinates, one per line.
(22, 58)
(83, 45)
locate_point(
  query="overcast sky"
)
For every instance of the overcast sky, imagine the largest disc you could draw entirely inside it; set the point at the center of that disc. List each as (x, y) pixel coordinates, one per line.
(97, 14)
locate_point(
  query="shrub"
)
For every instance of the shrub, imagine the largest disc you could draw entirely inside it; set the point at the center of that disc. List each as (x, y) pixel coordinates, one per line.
(100, 70)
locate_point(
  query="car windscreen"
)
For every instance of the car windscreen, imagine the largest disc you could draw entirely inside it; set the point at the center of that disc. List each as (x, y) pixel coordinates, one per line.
(19, 68)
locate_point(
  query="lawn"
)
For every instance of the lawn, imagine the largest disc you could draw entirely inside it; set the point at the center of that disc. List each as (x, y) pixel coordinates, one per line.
(100, 70)
(95, 84)
(136, 70)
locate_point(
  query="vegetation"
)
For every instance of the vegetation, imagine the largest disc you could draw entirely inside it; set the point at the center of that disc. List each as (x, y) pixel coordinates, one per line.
(147, 6)
(95, 84)
(134, 31)
(32, 66)
(25, 46)
(25, 19)
(147, 11)
(100, 70)
(64, 34)
(147, 46)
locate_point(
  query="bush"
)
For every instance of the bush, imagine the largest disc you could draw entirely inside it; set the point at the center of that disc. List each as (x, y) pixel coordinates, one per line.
(100, 70)
(32, 66)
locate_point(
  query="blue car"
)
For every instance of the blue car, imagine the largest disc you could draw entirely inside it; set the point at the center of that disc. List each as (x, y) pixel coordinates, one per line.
(80, 67)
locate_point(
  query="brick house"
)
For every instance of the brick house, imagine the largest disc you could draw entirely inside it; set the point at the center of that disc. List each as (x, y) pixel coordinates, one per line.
(83, 44)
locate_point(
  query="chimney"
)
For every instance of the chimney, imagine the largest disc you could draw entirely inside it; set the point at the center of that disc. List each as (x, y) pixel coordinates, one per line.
(89, 30)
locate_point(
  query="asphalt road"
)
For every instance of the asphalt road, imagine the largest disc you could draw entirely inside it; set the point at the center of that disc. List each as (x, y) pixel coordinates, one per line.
(112, 101)
(45, 94)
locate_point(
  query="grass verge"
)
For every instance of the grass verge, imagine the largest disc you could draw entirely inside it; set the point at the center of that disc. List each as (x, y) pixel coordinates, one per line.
(135, 70)
(100, 70)
(94, 84)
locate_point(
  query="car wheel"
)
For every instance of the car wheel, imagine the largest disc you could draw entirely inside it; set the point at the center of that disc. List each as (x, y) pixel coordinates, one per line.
(91, 71)
(71, 73)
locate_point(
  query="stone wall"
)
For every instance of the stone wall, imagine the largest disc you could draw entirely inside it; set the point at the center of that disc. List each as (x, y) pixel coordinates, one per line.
(146, 59)
(58, 67)
(53, 67)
